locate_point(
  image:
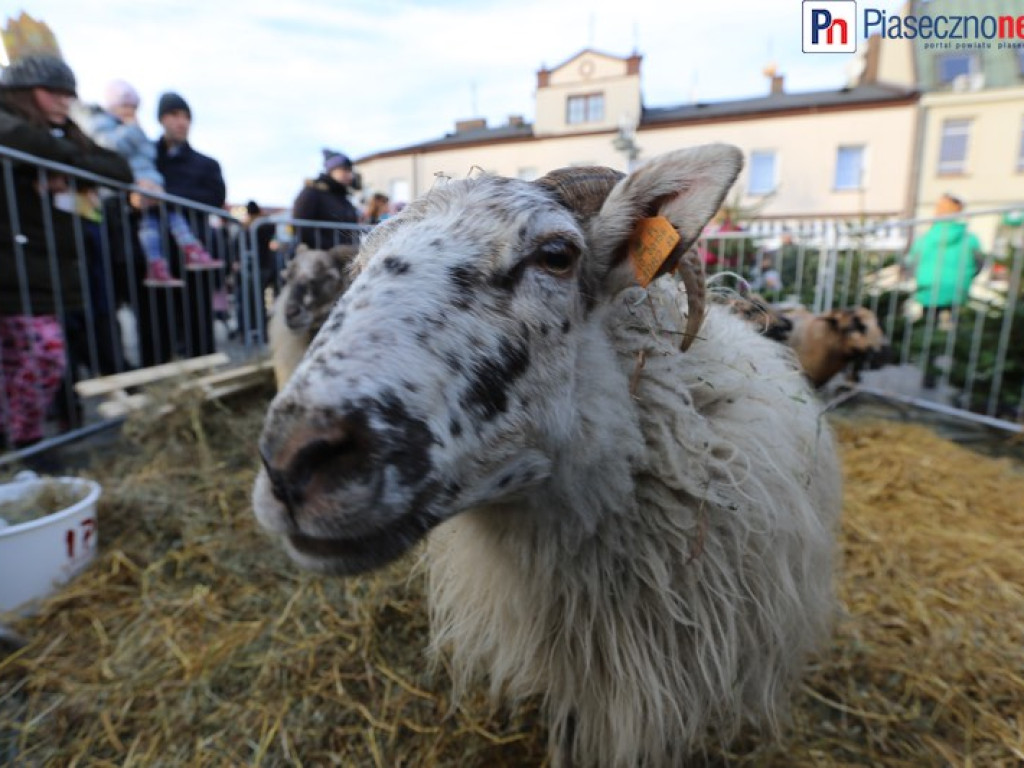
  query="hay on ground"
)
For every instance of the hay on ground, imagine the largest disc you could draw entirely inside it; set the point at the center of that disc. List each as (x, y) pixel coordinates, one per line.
(192, 640)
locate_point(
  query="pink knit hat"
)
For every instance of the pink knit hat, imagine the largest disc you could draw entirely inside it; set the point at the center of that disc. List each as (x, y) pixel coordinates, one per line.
(120, 94)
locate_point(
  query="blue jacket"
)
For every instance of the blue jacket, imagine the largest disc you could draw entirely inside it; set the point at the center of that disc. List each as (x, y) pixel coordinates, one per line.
(127, 139)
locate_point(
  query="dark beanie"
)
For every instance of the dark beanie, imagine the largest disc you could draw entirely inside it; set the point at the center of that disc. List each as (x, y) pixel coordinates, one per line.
(170, 102)
(334, 160)
(39, 71)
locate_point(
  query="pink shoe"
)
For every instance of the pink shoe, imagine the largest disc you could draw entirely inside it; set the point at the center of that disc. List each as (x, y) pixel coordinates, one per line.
(196, 257)
(158, 276)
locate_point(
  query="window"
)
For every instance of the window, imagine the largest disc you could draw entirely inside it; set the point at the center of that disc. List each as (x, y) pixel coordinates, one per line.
(953, 65)
(953, 149)
(762, 172)
(849, 167)
(585, 109)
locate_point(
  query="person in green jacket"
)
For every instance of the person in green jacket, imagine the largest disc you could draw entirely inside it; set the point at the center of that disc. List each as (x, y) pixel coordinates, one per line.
(946, 258)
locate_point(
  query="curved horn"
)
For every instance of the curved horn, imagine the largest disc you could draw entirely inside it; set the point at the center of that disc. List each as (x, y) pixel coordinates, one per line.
(691, 274)
(582, 190)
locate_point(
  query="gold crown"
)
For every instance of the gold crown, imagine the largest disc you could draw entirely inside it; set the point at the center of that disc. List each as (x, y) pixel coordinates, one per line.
(25, 36)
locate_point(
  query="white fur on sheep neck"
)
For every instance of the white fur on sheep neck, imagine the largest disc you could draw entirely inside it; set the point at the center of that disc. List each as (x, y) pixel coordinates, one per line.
(643, 537)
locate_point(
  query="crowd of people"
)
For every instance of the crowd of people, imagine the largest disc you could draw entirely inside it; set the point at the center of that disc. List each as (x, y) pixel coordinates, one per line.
(73, 250)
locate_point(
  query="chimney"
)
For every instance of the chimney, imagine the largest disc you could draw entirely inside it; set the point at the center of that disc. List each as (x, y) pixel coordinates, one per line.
(543, 77)
(772, 73)
(515, 121)
(473, 124)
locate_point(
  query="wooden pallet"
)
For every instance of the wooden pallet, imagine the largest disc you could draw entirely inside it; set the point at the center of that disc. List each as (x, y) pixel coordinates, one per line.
(213, 384)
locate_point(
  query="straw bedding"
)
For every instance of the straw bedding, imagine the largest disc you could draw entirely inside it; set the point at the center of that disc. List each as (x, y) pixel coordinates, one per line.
(193, 641)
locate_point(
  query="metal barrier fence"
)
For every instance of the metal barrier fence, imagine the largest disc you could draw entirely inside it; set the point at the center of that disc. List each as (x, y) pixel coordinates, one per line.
(78, 299)
(89, 273)
(966, 359)
(958, 345)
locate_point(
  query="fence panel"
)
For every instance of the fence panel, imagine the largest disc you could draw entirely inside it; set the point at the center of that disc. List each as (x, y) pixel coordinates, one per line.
(958, 341)
(76, 270)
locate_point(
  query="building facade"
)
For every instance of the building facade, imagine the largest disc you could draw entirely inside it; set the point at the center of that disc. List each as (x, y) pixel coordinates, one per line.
(590, 111)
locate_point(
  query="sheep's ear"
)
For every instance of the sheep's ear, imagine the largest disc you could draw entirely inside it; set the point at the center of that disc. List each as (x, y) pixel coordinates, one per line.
(686, 187)
(651, 218)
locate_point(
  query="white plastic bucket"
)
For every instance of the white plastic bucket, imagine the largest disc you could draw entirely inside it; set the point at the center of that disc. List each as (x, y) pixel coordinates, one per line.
(39, 555)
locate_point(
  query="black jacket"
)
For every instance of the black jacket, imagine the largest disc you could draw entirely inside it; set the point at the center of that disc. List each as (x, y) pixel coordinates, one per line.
(191, 174)
(324, 199)
(17, 133)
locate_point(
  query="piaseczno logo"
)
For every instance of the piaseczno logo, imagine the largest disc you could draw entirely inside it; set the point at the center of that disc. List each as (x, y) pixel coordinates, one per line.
(829, 26)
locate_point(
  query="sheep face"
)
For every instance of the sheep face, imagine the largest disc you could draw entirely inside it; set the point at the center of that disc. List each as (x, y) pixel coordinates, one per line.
(864, 341)
(826, 344)
(859, 327)
(316, 278)
(446, 378)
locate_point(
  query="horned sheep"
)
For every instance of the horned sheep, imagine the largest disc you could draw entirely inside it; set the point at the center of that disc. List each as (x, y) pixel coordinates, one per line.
(642, 536)
(313, 281)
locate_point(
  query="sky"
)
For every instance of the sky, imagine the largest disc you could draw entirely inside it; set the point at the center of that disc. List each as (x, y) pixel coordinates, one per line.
(271, 82)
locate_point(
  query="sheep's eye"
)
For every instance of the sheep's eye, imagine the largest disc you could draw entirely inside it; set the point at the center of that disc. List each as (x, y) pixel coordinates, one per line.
(557, 256)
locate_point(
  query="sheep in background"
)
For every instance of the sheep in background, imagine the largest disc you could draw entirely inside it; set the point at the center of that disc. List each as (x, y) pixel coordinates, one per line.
(825, 344)
(840, 339)
(313, 281)
(642, 536)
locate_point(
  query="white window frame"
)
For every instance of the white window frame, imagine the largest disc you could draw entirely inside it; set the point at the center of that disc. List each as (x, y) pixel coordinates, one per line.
(861, 168)
(755, 186)
(584, 108)
(952, 130)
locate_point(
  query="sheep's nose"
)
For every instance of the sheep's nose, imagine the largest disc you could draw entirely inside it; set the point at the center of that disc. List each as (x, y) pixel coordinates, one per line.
(309, 457)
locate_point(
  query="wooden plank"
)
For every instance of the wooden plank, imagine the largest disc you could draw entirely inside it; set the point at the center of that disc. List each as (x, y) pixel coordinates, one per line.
(237, 372)
(107, 384)
(213, 386)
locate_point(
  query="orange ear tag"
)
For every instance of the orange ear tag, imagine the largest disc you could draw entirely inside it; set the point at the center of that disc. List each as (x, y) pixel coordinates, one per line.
(650, 245)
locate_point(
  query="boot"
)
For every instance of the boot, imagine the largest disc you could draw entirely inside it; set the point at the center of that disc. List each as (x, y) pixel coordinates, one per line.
(196, 258)
(158, 276)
